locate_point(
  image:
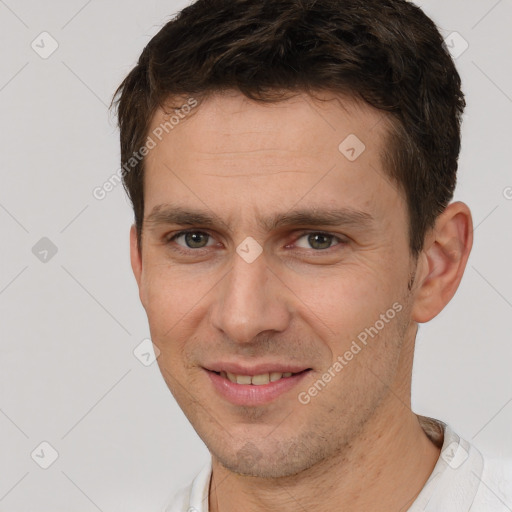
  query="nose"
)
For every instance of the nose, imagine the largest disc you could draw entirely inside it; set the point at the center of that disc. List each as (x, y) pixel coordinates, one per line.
(250, 300)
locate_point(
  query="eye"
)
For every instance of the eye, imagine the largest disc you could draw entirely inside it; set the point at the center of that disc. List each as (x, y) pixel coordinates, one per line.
(318, 241)
(195, 241)
(192, 239)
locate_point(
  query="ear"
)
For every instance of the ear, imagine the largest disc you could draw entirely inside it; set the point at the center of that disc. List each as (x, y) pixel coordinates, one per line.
(135, 255)
(442, 262)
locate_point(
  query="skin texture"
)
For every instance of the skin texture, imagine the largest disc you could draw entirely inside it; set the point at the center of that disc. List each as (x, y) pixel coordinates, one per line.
(356, 445)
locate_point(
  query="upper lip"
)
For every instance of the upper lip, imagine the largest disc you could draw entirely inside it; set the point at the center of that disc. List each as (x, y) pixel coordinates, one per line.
(255, 369)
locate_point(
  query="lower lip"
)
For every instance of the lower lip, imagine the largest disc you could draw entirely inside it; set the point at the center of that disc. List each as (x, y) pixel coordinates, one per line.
(250, 394)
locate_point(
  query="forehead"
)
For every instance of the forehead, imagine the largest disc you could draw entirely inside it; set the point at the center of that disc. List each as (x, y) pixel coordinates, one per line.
(229, 122)
(257, 154)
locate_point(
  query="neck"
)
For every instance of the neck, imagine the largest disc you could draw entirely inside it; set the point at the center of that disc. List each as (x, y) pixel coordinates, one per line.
(385, 468)
(385, 472)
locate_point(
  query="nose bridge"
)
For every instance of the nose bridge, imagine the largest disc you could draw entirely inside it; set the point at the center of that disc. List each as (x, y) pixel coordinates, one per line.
(248, 301)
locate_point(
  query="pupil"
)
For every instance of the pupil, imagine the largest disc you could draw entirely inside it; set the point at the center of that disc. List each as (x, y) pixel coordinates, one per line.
(194, 238)
(313, 238)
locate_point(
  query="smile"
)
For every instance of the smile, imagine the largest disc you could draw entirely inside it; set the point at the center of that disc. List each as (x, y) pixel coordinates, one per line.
(256, 380)
(254, 390)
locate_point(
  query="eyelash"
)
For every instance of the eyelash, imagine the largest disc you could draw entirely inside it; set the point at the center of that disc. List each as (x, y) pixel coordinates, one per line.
(188, 251)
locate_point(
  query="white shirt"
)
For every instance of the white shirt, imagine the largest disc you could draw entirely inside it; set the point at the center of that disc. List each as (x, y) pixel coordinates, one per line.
(462, 481)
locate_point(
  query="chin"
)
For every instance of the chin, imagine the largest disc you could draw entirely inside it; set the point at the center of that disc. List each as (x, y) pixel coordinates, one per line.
(270, 461)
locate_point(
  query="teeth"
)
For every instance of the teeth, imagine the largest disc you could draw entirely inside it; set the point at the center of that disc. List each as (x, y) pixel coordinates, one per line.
(256, 380)
(243, 379)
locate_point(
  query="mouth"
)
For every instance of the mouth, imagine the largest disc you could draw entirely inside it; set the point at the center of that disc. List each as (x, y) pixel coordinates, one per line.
(260, 379)
(254, 388)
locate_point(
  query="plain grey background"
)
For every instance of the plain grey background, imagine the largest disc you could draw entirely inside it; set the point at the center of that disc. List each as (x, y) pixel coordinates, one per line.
(70, 317)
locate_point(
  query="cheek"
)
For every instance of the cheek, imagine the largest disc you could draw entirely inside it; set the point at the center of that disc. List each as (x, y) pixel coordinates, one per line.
(164, 298)
(354, 306)
(347, 298)
(176, 302)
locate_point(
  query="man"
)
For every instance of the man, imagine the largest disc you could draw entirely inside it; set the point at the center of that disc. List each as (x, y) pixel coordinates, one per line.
(291, 165)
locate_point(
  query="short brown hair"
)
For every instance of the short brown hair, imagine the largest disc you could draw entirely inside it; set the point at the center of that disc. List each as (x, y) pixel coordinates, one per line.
(386, 52)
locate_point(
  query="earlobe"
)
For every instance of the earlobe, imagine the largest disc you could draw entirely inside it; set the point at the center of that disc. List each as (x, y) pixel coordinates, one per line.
(135, 255)
(443, 261)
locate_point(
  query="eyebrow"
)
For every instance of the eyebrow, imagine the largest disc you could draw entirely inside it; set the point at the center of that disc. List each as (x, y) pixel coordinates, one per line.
(313, 216)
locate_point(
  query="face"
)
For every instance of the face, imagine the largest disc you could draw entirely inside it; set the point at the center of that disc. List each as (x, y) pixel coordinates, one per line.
(271, 251)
